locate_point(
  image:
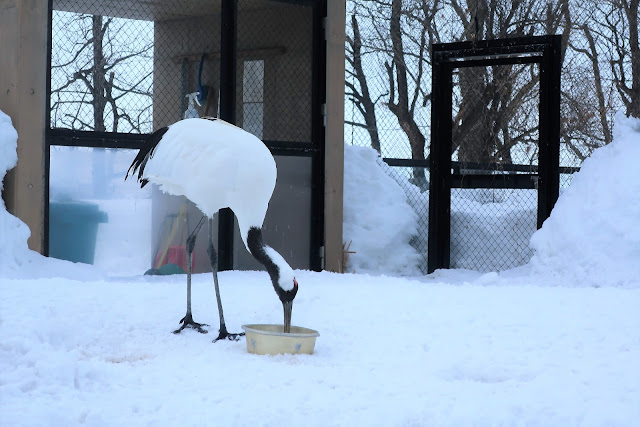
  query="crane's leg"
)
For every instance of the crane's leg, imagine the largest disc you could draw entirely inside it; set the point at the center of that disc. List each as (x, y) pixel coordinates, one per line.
(187, 320)
(213, 259)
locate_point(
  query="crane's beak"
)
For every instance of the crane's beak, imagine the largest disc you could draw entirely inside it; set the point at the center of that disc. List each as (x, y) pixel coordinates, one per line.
(287, 306)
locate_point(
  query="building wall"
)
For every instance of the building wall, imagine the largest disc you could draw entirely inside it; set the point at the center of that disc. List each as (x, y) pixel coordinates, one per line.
(286, 50)
(334, 134)
(23, 62)
(288, 84)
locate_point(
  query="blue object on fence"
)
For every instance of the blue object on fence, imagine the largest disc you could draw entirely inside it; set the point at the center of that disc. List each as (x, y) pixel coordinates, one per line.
(73, 228)
(203, 91)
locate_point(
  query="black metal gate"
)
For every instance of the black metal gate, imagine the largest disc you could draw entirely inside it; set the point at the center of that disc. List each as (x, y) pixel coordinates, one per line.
(445, 174)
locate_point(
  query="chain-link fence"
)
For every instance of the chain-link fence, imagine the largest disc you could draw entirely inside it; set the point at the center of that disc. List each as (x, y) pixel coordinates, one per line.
(120, 70)
(491, 227)
(132, 67)
(101, 68)
(495, 108)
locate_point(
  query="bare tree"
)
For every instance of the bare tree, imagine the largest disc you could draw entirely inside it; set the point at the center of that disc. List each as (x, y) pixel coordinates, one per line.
(360, 94)
(489, 119)
(100, 81)
(392, 45)
(494, 107)
(604, 56)
(591, 53)
(622, 24)
(494, 113)
(94, 67)
(404, 103)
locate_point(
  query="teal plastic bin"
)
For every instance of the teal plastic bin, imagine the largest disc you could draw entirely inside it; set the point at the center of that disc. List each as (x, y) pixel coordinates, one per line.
(73, 227)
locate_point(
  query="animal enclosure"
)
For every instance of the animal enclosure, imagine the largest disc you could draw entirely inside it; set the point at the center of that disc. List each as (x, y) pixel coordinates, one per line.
(391, 99)
(120, 70)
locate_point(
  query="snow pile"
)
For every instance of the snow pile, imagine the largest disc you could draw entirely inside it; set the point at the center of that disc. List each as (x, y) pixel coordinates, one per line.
(8, 145)
(378, 221)
(13, 232)
(16, 259)
(592, 237)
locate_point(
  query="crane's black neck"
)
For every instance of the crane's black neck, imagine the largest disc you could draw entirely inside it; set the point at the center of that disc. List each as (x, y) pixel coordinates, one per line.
(258, 250)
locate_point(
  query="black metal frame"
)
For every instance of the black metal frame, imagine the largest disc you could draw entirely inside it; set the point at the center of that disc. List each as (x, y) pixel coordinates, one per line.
(228, 61)
(543, 50)
(315, 150)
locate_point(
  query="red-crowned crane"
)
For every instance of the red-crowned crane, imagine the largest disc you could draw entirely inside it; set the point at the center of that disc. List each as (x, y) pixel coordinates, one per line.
(218, 165)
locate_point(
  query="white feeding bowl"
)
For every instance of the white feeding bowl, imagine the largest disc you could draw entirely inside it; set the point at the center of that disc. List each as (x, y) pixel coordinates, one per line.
(271, 339)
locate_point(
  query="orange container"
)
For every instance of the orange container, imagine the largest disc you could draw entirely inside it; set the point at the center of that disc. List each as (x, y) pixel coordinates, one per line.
(176, 254)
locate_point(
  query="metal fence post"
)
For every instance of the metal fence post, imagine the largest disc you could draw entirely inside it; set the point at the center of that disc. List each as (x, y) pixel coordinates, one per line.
(228, 56)
(438, 255)
(549, 122)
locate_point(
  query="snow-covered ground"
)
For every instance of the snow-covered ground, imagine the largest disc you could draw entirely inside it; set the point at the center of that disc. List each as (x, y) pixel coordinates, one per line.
(446, 351)
(555, 342)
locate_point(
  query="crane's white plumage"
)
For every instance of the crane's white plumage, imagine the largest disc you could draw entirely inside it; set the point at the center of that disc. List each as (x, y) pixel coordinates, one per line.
(286, 279)
(215, 165)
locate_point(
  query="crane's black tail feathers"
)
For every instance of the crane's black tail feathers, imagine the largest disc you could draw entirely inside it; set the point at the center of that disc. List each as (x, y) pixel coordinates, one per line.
(145, 153)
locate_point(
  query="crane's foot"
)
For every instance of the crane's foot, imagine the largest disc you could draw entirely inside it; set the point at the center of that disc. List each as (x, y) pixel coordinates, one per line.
(187, 322)
(224, 335)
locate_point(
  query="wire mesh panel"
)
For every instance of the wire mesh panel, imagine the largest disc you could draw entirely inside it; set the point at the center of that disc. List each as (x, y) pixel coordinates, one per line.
(95, 216)
(495, 145)
(275, 101)
(419, 202)
(130, 67)
(120, 70)
(275, 69)
(388, 47)
(492, 235)
(253, 96)
(388, 83)
(105, 70)
(495, 115)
